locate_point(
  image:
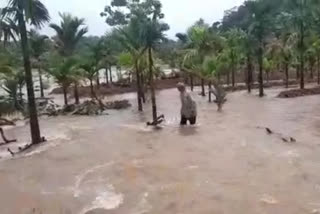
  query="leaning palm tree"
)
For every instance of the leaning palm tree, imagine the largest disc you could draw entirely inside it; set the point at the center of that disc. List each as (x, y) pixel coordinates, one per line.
(68, 34)
(38, 48)
(34, 13)
(212, 67)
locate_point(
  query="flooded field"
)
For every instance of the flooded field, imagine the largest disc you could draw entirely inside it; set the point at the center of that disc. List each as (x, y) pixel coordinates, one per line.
(226, 164)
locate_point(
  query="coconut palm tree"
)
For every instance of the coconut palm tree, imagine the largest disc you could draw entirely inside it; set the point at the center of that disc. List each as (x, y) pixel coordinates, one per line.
(201, 42)
(130, 39)
(213, 66)
(233, 44)
(89, 70)
(34, 13)
(152, 34)
(68, 34)
(301, 16)
(38, 47)
(8, 29)
(11, 81)
(259, 30)
(64, 73)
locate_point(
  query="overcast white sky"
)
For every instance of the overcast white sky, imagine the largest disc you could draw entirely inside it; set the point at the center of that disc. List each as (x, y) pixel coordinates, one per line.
(179, 14)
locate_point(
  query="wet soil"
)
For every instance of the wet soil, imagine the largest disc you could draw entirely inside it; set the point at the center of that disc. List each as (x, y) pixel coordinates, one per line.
(299, 92)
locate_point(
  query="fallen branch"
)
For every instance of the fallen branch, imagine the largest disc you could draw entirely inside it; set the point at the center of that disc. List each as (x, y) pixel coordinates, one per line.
(285, 139)
(5, 122)
(159, 120)
(6, 141)
(26, 147)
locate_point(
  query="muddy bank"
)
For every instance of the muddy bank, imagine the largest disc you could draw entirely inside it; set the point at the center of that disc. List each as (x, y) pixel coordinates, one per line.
(115, 88)
(276, 83)
(299, 92)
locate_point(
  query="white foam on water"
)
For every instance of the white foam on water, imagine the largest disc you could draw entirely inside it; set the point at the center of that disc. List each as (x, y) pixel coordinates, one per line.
(82, 176)
(143, 206)
(106, 199)
(140, 128)
(46, 146)
(192, 167)
(290, 154)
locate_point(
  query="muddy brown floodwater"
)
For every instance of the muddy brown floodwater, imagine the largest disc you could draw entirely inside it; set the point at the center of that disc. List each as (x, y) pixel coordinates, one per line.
(114, 164)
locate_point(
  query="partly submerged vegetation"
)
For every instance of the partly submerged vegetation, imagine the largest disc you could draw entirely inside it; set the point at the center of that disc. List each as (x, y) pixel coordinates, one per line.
(259, 41)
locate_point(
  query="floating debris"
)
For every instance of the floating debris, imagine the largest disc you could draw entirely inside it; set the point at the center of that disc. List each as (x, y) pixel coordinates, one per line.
(268, 199)
(118, 104)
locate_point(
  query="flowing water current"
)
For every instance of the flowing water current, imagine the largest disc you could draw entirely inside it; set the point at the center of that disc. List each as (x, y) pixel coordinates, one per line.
(225, 164)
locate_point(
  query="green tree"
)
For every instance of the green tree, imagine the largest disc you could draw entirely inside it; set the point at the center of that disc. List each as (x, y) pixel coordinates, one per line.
(64, 73)
(233, 45)
(89, 70)
(301, 15)
(36, 14)
(11, 82)
(213, 67)
(140, 30)
(259, 27)
(152, 34)
(8, 29)
(68, 35)
(200, 44)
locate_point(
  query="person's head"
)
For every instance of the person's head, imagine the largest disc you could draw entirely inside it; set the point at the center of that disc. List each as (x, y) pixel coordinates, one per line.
(181, 87)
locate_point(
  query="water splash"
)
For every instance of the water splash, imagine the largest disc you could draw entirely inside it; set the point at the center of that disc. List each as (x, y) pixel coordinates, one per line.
(82, 176)
(106, 199)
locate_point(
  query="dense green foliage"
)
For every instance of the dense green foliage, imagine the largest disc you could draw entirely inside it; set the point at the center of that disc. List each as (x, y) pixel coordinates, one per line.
(259, 41)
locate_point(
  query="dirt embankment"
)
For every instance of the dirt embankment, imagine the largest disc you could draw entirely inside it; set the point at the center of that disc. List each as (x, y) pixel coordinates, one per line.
(299, 92)
(115, 88)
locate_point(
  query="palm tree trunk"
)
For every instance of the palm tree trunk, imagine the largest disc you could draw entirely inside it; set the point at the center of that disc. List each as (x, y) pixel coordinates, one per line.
(286, 68)
(209, 89)
(249, 75)
(65, 95)
(228, 78)
(15, 100)
(143, 89)
(107, 76)
(110, 74)
(203, 90)
(261, 90)
(41, 82)
(20, 94)
(191, 82)
(139, 88)
(98, 80)
(152, 87)
(311, 70)
(92, 89)
(301, 55)
(318, 68)
(76, 93)
(233, 75)
(34, 123)
(297, 72)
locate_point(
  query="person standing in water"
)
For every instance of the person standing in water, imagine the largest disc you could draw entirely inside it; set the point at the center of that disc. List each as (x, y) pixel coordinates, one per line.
(188, 106)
